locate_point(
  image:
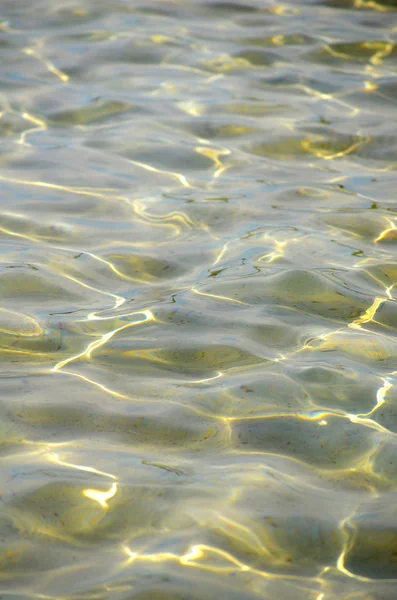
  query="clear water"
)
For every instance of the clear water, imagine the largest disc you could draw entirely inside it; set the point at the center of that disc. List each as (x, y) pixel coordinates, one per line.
(198, 316)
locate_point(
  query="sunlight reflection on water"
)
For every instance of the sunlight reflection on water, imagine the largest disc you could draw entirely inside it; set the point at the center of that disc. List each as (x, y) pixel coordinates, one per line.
(198, 319)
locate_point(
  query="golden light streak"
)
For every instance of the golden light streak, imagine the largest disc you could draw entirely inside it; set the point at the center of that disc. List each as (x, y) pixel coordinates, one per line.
(324, 155)
(277, 253)
(37, 329)
(34, 120)
(221, 253)
(50, 66)
(225, 63)
(383, 50)
(103, 388)
(246, 536)
(31, 238)
(33, 354)
(72, 444)
(157, 557)
(281, 10)
(382, 391)
(148, 316)
(222, 170)
(124, 397)
(95, 317)
(348, 545)
(40, 126)
(141, 210)
(197, 552)
(323, 337)
(101, 497)
(370, 423)
(160, 39)
(205, 380)
(371, 4)
(332, 98)
(181, 178)
(71, 190)
(335, 53)
(213, 78)
(109, 264)
(380, 397)
(195, 291)
(378, 281)
(385, 232)
(389, 291)
(118, 299)
(55, 459)
(190, 107)
(271, 257)
(187, 68)
(213, 154)
(368, 315)
(115, 270)
(190, 558)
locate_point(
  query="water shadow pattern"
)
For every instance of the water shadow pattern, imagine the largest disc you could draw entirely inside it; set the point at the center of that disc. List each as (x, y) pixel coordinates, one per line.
(198, 310)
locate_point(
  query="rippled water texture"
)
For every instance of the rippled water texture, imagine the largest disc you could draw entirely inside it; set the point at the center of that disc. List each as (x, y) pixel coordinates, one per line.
(198, 300)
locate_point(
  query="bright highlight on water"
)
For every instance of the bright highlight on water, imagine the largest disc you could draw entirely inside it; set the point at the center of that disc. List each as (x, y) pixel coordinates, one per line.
(198, 300)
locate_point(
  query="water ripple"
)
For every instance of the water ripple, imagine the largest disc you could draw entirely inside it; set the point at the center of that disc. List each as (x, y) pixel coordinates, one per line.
(198, 300)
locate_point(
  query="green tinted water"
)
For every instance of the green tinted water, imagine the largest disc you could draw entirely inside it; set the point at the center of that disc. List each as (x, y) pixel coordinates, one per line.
(198, 316)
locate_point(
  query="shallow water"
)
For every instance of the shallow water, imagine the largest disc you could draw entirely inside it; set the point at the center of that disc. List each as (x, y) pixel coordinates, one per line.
(198, 316)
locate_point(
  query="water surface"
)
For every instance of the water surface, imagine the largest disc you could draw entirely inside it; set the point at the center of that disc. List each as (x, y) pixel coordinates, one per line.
(198, 316)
